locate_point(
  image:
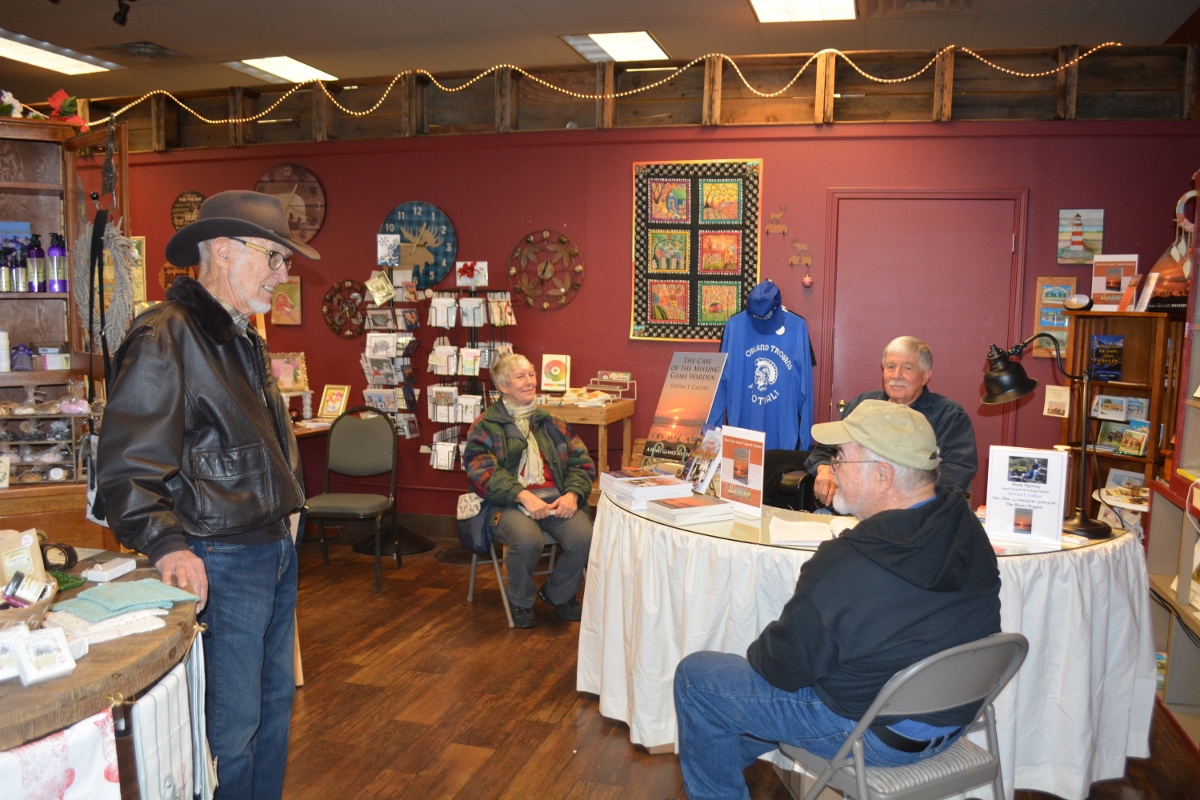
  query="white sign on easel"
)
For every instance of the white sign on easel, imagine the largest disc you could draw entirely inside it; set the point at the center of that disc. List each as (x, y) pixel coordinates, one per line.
(1025, 494)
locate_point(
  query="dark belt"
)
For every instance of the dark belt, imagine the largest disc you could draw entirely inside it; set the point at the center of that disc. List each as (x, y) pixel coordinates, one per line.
(898, 741)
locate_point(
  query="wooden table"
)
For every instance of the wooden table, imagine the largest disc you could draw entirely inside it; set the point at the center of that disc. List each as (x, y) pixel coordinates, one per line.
(601, 417)
(120, 667)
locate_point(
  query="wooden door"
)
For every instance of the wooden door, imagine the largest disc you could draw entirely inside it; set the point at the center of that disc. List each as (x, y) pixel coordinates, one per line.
(942, 266)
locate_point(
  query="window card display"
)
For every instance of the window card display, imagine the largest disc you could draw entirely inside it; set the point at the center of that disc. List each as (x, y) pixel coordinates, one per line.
(695, 251)
(1025, 494)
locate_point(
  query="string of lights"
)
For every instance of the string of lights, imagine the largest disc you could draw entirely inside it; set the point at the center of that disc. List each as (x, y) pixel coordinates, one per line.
(597, 95)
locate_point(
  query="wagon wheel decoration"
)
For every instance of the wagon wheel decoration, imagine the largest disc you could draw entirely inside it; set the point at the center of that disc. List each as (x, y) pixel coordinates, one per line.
(344, 308)
(546, 269)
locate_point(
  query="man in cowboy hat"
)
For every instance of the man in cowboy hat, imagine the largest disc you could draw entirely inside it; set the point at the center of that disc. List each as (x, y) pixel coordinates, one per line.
(916, 576)
(196, 469)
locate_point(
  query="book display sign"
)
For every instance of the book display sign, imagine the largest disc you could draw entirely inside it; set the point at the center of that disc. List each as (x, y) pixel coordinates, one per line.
(687, 396)
(1025, 494)
(742, 469)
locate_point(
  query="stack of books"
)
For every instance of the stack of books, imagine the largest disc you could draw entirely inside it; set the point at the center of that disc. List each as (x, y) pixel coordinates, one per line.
(690, 510)
(635, 487)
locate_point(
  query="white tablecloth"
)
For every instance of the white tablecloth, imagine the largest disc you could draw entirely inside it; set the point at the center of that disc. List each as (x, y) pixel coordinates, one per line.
(1080, 705)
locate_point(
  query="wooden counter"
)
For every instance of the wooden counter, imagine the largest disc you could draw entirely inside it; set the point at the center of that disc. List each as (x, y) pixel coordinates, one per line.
(126, 666)
(601, 417)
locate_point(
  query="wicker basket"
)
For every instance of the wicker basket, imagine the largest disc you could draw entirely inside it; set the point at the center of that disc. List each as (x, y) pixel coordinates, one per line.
(32, 615)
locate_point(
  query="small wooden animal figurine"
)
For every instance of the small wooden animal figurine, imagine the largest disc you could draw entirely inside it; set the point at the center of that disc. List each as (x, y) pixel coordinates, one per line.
(776, 224)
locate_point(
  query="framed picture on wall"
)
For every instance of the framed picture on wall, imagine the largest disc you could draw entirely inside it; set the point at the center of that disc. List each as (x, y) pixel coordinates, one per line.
(333, 401)
(290, 371)
(285, 302)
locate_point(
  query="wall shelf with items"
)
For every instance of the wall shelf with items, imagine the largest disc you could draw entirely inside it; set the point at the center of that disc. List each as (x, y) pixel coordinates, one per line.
(1149, 376)
(1171, 539)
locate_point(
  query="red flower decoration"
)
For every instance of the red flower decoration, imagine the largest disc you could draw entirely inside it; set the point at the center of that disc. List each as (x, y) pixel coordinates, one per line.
(63, 108)
(467, 270)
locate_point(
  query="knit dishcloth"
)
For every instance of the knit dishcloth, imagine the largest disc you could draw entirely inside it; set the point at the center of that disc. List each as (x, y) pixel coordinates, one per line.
(121, 625)
(108, 600)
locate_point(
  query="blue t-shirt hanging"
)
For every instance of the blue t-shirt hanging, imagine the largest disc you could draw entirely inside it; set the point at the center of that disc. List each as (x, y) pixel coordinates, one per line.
(767, 382)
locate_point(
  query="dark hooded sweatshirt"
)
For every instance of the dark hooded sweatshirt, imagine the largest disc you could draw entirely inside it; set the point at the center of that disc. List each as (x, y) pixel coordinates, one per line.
(900, 586)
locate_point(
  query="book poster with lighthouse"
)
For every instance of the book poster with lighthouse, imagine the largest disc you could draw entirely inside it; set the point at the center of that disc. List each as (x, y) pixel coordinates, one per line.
(1080, 234)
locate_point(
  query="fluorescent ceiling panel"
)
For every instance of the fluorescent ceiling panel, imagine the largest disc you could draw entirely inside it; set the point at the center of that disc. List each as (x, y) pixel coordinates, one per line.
(802, 10)
(37, 53)
(284, 67)
(632, 46)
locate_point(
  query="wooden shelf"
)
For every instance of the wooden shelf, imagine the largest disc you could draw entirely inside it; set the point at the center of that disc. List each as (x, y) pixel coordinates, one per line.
(30, 186)
(1188, 614)
(37, 377)
(34, 296)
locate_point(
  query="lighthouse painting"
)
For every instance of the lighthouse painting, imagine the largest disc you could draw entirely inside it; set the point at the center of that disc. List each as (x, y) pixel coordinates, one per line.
(1080, 234)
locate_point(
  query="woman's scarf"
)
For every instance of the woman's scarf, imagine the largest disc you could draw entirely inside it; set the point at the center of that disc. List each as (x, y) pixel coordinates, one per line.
(531, 470)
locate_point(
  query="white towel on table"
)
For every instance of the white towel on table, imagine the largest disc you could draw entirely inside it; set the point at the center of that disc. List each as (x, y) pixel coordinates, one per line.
(162, 739)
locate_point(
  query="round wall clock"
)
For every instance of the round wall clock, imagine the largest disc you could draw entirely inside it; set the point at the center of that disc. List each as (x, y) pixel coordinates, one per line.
(344, 308)
(186, 209)
(546, 269)
(418, 236)
(302, 197)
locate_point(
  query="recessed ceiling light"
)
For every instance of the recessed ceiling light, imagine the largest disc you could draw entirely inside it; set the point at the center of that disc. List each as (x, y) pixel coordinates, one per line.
(285, 67)
(803, 10)
(37, 53)
(632, 46)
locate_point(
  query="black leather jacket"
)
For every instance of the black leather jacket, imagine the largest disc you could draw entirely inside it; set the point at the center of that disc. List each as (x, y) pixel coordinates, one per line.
(196, 440)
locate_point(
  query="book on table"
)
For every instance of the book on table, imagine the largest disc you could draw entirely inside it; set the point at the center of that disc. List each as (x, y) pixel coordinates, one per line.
(636, 492)
(692, 509)
(609, 480)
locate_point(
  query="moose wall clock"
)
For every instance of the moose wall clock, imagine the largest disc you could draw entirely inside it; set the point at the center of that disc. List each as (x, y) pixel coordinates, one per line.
(419, 236)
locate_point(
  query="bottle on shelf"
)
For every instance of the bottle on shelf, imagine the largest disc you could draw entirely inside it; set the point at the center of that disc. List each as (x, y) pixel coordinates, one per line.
(5, 269)
(56, 264)
(20, 281)
(35, 264)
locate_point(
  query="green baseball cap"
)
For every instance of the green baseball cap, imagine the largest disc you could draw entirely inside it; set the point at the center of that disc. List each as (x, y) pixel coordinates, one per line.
(891, 430)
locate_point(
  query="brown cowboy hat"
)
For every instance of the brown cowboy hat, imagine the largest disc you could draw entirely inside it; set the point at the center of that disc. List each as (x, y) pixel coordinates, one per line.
(235, 213)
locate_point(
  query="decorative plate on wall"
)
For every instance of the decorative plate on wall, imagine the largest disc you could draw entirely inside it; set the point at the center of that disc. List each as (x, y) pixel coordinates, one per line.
(344, 308)
(302, 197)
(418, 236)
(186, 209)
(546, 269)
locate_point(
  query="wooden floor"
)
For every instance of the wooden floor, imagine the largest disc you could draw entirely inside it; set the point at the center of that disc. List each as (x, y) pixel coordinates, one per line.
(415, 693)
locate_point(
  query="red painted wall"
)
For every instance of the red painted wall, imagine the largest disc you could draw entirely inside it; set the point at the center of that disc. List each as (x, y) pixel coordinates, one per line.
(497, 188)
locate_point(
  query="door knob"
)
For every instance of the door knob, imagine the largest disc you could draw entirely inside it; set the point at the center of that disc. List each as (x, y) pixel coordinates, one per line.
(841, 406)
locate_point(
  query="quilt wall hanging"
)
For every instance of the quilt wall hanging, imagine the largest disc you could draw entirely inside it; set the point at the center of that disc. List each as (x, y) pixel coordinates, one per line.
(695, 246)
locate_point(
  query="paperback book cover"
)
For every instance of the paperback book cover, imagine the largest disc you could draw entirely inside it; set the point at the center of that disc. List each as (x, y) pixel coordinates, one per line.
(703, 461)
(1106, 353)
(1134, 440)
(742, 469)
(683, 406)
(1111, 434)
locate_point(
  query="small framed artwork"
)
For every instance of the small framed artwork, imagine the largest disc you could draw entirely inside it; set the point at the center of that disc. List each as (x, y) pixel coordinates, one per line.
(285, 302)
(1052, 317)
(333, 400)
(1080, 234)
(290, 371)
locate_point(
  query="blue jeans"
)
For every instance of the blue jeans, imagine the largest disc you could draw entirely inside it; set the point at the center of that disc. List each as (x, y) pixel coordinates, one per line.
(248, 650)
(729, 715)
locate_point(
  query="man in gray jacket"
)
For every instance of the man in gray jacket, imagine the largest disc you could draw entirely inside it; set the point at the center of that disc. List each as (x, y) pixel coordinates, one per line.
(197, 470)
(917, 575)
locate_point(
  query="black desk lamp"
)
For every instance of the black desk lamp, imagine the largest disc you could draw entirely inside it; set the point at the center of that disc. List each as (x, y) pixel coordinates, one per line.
(1006, 381)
